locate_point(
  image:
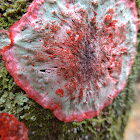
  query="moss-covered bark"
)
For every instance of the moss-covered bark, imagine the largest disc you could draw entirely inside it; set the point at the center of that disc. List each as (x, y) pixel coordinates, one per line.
(42, 124)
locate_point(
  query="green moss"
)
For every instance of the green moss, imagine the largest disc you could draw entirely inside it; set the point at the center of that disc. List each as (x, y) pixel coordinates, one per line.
(11, 11)
(138, 6)
(138, 45)
(42, 124)
(12, 98)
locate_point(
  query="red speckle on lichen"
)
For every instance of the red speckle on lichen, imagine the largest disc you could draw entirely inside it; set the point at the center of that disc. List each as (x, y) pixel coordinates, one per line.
(95, 2)
(111, 11)
(108, 18)
(60, 92)
(54, 28)
(93, 20)
(81, 94)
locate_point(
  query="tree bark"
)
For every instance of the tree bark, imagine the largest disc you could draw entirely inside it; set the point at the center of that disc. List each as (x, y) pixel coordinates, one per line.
(42, 124)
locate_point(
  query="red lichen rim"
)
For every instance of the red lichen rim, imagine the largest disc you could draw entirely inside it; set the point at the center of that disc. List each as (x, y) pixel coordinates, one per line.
(47, 102)
(11, 128)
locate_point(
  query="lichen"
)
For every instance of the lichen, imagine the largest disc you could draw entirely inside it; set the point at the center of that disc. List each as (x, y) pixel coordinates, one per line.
(11, 128)
(42, 124)
(88, 66)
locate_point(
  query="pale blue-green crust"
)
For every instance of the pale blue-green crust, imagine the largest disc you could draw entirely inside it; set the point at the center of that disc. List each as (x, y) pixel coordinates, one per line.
(42, 124)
